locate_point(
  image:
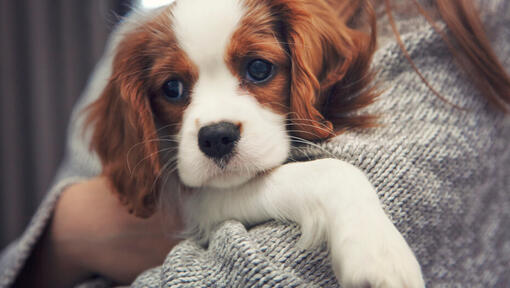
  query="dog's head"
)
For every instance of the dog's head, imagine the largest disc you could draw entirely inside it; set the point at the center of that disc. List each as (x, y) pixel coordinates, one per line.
(218, 90)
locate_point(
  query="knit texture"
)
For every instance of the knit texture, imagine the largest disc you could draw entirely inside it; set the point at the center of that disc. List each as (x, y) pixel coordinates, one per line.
(442, 174)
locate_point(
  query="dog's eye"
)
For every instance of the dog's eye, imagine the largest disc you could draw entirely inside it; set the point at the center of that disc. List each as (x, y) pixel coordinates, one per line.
(259, 70)
(174, 90)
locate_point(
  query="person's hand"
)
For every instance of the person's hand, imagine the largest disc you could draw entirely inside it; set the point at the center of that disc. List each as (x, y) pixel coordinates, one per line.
(93, 233)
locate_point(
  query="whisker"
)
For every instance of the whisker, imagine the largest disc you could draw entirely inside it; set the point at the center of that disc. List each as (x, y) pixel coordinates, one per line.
(172, 164)
(327, 129)
(306, 142)
(145, 142)
(167, 126)
(306, 120)
(147, 157)
(330, 132)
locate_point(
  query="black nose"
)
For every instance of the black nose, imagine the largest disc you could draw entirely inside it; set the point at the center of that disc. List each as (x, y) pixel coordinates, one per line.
(218, 140)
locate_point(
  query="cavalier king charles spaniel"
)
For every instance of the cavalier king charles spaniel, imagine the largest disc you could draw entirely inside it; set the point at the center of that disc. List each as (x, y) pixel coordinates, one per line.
(216, 93)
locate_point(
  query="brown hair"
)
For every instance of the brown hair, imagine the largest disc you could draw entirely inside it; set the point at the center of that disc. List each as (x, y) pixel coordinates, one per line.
(470, 46)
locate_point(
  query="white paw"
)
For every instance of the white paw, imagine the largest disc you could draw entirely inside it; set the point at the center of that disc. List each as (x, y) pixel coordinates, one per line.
(382, 260)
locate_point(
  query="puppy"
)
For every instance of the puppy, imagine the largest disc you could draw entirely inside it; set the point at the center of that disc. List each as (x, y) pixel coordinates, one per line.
(216, 93)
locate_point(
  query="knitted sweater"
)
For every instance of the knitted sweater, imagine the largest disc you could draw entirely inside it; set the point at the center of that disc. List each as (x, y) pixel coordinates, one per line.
(442, 174)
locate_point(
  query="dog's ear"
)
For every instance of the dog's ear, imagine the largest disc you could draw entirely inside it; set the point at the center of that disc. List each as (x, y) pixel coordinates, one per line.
(124, 130)
(330, 64)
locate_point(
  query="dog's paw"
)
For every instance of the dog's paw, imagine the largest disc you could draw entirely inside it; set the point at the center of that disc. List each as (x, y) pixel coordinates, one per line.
(385, 260)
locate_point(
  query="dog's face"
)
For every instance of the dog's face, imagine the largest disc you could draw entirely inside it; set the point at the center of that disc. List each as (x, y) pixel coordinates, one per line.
(234, 124)
(219, 90)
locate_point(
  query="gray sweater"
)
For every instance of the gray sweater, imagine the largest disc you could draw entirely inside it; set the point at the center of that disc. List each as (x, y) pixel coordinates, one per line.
(442, 174)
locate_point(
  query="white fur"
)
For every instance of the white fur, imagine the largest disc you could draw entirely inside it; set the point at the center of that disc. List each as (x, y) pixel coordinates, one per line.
(331, 200)
(203, 29)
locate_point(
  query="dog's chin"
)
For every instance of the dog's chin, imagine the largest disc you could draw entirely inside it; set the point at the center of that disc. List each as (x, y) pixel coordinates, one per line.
(220, 180)
(228, 180)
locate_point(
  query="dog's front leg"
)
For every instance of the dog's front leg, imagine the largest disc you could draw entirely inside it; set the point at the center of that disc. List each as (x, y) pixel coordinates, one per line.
(333, 201)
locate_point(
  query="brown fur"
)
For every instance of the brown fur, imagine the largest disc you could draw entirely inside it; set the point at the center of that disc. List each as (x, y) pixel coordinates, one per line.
(329, 69)
(125, 115)
(256, 37)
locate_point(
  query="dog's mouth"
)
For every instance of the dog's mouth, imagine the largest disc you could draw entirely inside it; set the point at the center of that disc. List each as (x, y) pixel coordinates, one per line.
(223, 162)
(230, 172)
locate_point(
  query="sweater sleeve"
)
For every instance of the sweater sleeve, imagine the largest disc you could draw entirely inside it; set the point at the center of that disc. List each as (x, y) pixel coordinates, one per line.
(13, 258)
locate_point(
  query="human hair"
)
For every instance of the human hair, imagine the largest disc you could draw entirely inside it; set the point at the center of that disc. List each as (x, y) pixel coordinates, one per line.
(469, 44)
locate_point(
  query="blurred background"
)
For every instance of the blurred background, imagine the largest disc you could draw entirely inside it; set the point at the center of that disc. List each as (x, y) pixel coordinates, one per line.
(47, 50)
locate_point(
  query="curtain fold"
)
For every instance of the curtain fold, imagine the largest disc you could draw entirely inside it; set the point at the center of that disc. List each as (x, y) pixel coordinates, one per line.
(47, 50)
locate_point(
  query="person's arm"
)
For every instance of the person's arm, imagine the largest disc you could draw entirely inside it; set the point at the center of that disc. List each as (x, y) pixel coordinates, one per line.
(90, 233)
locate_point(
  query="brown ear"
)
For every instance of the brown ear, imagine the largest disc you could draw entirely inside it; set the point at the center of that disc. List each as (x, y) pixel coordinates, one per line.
(124, 129)
(330, 68)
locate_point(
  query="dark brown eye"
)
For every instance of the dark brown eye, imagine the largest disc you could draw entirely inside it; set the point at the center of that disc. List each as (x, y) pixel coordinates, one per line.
(174, 90)
(259, 71)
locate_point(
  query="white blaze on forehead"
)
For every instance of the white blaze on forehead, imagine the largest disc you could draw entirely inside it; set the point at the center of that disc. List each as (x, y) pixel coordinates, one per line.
(204, 28)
